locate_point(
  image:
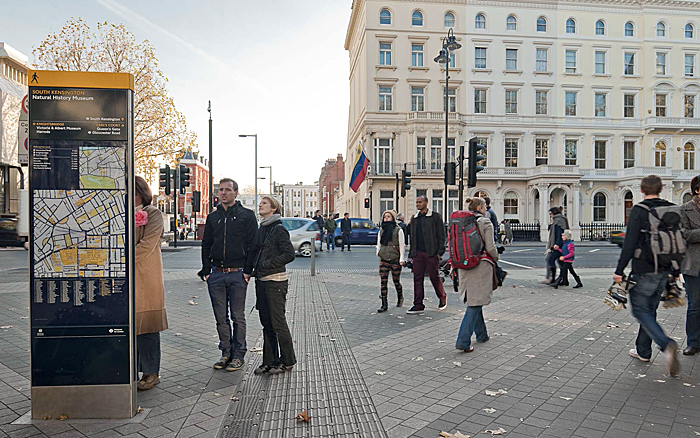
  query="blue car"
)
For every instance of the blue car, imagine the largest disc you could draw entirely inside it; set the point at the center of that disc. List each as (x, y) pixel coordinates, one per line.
(364, 232)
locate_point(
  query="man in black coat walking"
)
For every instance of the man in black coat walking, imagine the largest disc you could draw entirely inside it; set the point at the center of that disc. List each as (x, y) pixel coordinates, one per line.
(345, 231)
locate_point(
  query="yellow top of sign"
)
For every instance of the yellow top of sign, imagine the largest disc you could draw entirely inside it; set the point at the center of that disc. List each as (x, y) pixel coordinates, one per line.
(80, 79)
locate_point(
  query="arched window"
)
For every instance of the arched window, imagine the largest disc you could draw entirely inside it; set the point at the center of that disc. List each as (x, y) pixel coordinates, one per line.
(480, 194)
(629, 29)
(417, 18)
(541, 24)
(480, 21)
(511, 23)
(385, 17)
(570, 26)
(599, 27)
(660, 29)
(599, 207)
(510, 205)
(689, 156)
(689, 31)
(687, 197)
(449, 20)
(660, 154)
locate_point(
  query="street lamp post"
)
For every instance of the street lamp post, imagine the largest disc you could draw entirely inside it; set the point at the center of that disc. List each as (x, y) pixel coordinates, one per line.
(256, 164)
(269, 167)
(211, 164)
(449, 45)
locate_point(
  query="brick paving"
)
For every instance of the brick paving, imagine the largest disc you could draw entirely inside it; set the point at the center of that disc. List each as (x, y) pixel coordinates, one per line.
(559, 357)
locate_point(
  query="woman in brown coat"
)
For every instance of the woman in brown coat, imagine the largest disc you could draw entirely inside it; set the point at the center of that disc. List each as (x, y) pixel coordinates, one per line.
(150, 291)
(476, 285)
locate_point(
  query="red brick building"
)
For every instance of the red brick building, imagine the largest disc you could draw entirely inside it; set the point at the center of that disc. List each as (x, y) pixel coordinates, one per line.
(199, 180)
(332, 174)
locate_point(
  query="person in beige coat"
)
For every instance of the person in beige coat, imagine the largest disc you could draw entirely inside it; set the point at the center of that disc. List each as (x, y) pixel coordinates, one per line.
(151, 318)
(476, 285)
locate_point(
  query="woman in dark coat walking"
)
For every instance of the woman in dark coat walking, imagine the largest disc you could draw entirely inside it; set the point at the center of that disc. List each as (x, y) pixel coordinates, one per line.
(690, 224)
(273, 250)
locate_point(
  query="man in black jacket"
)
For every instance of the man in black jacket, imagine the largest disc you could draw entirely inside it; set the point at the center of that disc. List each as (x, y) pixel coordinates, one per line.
(345, 231)
(228, 239)
(427, 232)
(650, 283)
(319, 221)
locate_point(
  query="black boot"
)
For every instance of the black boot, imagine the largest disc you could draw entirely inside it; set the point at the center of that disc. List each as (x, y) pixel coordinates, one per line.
(555, 280)
(385, 305)
(399, 302)
(578, 282)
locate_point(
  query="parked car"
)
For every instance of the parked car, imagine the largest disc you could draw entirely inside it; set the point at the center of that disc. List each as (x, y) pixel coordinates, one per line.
(302, 232)
(618, 237)
(8, 232)
(364, 232)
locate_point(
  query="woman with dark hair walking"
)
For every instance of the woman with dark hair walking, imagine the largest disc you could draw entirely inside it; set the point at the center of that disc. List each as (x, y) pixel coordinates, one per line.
(690, 224)
(151, 318)
(476, 285)
(273, 250)
(391, 250)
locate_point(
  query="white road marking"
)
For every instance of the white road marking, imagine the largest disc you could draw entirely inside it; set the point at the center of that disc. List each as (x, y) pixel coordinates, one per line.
(594, 250)
(515, 264)
(522, 250)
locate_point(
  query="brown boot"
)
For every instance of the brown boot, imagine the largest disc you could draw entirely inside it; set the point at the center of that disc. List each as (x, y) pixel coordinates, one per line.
(147, 382)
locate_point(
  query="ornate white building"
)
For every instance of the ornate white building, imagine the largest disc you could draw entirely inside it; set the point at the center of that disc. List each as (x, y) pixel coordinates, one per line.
(576, 100)
(300, 200)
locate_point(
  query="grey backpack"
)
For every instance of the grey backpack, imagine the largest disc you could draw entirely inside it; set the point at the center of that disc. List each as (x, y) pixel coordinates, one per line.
(664, 237)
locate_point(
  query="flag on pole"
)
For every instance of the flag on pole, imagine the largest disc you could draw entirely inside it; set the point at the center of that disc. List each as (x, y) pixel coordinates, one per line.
(359, 170)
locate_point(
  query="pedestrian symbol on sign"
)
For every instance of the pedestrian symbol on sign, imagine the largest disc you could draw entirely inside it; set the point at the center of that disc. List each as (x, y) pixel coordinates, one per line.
(34, 78)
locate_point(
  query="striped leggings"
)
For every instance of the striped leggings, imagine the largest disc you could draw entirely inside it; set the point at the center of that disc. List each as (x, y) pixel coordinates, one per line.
(395, 268)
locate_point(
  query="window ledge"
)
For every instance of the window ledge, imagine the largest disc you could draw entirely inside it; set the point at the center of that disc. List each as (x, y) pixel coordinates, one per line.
(602, 75)
(411, 68)
(573, 74)
(662, 76)
(452, 69)
(543, 73)
(631, 76)
(387, 112)
(515, 72)
(481, 70)
(690, 77)
(386, 67)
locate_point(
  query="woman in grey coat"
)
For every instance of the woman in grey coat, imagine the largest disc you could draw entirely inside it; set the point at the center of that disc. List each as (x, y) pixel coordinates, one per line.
(690, 223)
(476, 285)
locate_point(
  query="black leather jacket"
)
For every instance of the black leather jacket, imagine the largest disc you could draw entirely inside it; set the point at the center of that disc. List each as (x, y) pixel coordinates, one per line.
(228, 238)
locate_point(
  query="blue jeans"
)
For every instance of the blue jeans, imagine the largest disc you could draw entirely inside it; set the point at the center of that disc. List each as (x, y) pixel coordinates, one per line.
(228, 290)
(692, 320)
(644, 299)
(330, 241)
(473, 322)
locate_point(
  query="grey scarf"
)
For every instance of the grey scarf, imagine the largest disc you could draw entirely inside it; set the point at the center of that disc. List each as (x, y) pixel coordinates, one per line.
(271, 219)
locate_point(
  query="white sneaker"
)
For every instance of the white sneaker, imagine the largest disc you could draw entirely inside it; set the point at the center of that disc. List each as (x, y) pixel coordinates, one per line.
(671, 358)
(634, 354)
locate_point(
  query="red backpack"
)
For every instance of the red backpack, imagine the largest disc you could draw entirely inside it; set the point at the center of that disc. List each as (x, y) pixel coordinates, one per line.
(466, 244)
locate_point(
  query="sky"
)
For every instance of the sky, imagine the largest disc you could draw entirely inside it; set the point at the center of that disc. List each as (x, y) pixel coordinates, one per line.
(276, 68)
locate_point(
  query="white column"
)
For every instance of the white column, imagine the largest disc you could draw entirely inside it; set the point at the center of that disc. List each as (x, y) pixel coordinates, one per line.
(576, 211)
(544, 210)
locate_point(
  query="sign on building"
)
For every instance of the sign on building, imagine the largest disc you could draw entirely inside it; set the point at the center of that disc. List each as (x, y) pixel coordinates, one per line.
(81, 222)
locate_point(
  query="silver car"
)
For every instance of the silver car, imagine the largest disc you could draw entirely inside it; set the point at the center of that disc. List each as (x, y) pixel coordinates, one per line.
(302, 232)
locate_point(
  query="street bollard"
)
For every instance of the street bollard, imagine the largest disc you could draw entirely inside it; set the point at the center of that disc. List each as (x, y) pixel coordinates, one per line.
(313, 257)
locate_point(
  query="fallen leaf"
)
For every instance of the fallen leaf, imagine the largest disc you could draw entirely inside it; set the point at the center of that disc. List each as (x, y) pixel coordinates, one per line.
(489, 410)
(217, 394)
(530, 355)
(660, 381)
(380, 373)
(457, 364)
(6, 327)
(402, 323)
(400, 317)
(439, 358)
(457, 434)
(565, 398)
(557, 378)
(303, 416)
(62, 417)
(417, 358)
(195, 296)
(467, 378)
(234, 398)
(24, 317)
(441, 342)
(428, 317)
(589, 339)
(495, 393)
(499, 431)
(686, 384)
(191, 303)
(178, 334)
(139, 410)
(48, 417)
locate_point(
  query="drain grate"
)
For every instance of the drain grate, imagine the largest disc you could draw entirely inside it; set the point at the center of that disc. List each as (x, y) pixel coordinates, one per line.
(326, 382)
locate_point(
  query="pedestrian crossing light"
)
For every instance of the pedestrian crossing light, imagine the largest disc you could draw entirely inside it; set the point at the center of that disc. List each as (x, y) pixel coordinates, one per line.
(184, 178)
(216, 201)
(450, 173)
(474, 157)
(165, 179)
(366, 202)
(405, 181)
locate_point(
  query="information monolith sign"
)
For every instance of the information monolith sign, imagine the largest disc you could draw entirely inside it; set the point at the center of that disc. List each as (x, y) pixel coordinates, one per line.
(81, 221)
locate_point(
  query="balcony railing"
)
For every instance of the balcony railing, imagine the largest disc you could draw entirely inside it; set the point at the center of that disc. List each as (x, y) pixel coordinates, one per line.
(432, 115)
(671, 121)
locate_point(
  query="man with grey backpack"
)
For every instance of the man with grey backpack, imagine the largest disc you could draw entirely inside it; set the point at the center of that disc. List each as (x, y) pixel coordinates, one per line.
(655, 245)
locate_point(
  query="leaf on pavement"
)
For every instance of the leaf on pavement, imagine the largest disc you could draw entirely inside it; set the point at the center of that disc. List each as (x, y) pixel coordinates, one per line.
(195, 296)
(467, 378)
(5, 327)
(303, 416)
(191, 303)
(417, 358)
(660, 381)
(499, 431)
(62, 417)
(565, 398)
(457, 434)
(589, 339)
(380, 373)
(495, 393)
(489, 410)
(234, 398)
(530, 355)
(457, 364)
(178, 334)
(139, 410)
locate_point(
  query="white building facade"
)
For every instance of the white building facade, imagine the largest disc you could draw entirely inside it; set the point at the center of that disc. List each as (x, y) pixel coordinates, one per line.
(576, 101)
(300, 200)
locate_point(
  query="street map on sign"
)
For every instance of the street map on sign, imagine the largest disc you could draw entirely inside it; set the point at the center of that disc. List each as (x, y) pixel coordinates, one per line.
(102, 168)
(79, 233)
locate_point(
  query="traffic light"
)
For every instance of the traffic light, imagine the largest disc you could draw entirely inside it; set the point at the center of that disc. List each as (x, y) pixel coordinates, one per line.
(196, 201)
(184, 178)
(366, 202)
(405, 181)
(165, 179)
(474, 157)
(450, 173)
(216, 201)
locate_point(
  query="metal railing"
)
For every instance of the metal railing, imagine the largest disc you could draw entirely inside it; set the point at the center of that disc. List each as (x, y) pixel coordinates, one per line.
(526, 232)
(597, 231)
